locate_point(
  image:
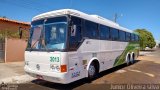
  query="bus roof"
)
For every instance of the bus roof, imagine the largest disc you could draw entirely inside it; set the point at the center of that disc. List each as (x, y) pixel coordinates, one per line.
(72, 12)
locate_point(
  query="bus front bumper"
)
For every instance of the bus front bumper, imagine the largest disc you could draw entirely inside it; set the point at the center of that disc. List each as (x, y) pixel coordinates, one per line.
(48, 76)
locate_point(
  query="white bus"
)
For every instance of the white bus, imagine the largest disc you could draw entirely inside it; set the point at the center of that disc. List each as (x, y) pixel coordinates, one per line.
(67, 45)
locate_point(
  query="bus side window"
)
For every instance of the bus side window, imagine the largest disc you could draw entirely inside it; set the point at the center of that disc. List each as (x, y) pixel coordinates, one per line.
(137, 38)
(122, 35)
(104, 32)
(115, 35)
(132, 37)
(75, 33)
(128, 36)
(91, 30)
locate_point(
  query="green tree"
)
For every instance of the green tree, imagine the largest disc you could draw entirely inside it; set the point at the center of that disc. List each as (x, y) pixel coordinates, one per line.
(3, 16)
(146, 39)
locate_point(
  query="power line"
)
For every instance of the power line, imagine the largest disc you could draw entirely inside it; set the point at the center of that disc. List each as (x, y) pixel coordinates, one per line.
(37, 5)
(116, 17)
(29, 4)
(41, 6)
(71, 2)
(32, 4)
(23, 5)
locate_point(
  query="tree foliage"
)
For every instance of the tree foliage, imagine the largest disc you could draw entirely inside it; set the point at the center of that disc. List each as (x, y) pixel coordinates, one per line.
(12, 34)
(146, 39)
(3, 16)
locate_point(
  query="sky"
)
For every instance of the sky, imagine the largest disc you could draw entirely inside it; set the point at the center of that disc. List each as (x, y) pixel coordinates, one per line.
(132, 14)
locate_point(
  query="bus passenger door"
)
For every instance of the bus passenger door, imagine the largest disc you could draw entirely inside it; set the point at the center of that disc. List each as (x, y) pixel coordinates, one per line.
(75, 40)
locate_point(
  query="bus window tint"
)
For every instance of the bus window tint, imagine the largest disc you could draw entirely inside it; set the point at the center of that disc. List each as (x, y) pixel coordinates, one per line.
(122, 36)
(91, 30)
(74, 40)
(132, 37)
(57, 19)
(104, 32)
(128, 36)
(76, 21)
(114, 33)
(136, 37)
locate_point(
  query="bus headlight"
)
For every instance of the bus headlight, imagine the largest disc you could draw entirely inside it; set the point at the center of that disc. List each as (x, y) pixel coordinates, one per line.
(26, 63)
(54, 67)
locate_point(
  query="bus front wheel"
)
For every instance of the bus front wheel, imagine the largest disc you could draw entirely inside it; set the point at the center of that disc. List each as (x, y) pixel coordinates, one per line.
(92, 71)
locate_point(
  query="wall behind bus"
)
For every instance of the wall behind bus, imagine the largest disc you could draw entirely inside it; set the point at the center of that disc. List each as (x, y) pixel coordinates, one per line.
(14, 50)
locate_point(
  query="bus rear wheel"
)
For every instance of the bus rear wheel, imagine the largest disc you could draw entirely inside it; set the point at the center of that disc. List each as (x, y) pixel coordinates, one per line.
(133, 58)
(128, 60)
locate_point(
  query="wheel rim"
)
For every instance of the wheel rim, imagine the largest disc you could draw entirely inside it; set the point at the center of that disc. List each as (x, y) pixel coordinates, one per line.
(133, 58)
(91, 70)
(128, 60)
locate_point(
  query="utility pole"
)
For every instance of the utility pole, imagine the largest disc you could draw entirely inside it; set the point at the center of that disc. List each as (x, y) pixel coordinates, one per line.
(159, 43)
(116, 17)
(71, 3)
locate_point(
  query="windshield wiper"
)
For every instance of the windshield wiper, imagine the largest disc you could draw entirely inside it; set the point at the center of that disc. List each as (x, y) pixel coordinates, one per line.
(44, 45)
(34, 44)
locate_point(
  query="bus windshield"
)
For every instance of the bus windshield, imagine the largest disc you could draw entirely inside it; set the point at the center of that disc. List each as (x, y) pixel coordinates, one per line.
(48, 34)
(55, 36)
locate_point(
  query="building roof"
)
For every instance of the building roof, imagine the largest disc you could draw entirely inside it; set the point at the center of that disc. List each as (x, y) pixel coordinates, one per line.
(94, 18)
(14, 21)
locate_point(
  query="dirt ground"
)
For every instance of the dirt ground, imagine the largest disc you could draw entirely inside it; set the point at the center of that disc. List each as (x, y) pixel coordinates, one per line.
(136, 77)
(146, 71)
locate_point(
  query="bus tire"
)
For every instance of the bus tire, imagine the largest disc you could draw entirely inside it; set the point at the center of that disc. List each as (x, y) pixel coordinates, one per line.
(133, 58)
(128, 58)
(92, 71)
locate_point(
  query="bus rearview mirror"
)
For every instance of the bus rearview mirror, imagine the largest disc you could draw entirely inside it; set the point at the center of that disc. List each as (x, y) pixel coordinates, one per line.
(73, 30)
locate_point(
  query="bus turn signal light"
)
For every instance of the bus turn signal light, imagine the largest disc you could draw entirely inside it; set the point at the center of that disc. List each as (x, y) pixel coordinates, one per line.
(63, 68)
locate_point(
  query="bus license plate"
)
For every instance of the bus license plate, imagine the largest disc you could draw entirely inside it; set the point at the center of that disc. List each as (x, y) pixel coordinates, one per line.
(39, 77)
